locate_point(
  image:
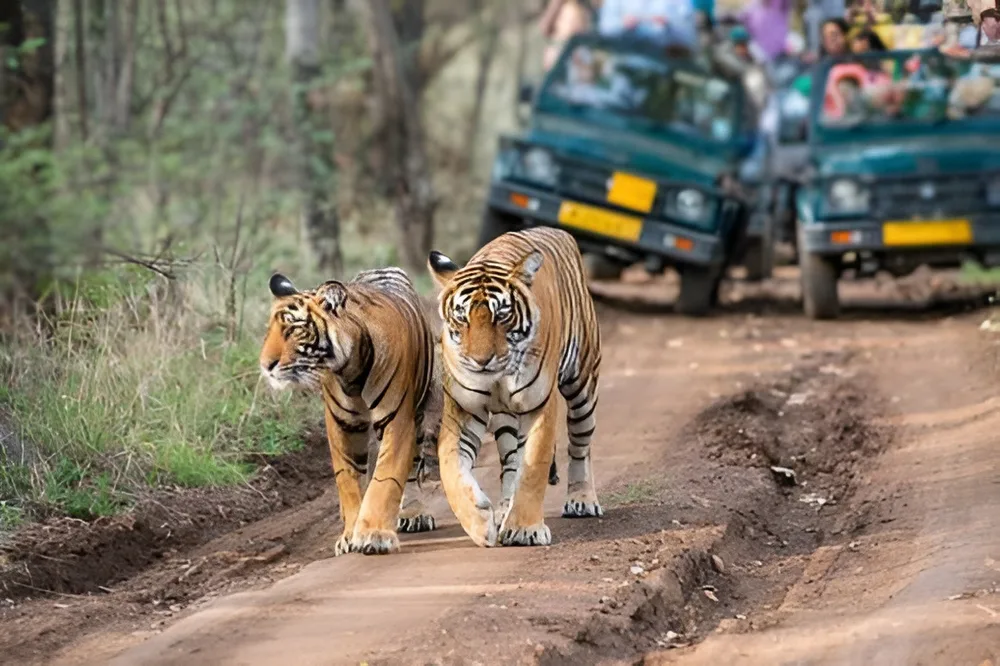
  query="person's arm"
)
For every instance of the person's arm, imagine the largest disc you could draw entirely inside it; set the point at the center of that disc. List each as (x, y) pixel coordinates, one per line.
(579, 19)
(548, 20)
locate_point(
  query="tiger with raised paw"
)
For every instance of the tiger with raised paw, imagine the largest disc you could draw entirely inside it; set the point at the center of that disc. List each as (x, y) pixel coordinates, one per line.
(367, 346)
(519, 328)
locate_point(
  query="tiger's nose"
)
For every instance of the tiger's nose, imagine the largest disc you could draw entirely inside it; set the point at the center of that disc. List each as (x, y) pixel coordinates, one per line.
(268, 367)
(484, 361)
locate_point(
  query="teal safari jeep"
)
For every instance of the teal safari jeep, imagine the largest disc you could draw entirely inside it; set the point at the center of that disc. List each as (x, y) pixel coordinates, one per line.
(635, 154)
(904, 169)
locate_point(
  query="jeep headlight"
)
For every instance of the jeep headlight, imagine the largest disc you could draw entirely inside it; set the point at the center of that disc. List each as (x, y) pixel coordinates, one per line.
(540, 167)
(848, 196)
(689, 205)
(507, 163)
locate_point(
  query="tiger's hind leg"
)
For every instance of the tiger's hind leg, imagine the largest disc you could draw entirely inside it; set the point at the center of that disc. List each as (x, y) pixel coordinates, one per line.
(510, 450)
(581, 421)
(413, 515)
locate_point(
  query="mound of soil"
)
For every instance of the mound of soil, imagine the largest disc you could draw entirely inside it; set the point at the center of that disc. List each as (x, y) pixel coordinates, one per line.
(67, 556)
(819, 421)
(816, 422)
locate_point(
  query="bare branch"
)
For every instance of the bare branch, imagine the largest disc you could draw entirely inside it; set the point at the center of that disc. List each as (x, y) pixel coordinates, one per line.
(136, 261)
(168, 45)
(181, 27)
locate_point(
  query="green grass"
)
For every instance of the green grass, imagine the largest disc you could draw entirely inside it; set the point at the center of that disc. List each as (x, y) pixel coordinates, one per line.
(973, 273)
(637, 492)
(127, 392)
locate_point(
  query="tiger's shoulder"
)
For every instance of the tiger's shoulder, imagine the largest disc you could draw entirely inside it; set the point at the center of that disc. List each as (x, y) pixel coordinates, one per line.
(391, 279)
(391, 282)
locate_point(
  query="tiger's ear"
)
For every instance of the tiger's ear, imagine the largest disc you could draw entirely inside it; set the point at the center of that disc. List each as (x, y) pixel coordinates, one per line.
(281, 286)
(331, 295)
(525, 271)
(441, 268)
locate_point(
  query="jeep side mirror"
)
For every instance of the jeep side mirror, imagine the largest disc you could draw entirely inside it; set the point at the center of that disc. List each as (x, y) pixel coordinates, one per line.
(526, 93)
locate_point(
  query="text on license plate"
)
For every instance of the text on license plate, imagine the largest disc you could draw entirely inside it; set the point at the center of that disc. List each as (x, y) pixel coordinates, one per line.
(633, 192)
(937, 232)
(598, 221)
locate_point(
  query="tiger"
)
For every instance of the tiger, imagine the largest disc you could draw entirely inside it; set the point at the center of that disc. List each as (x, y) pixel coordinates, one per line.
(366, 345)
(519, 325)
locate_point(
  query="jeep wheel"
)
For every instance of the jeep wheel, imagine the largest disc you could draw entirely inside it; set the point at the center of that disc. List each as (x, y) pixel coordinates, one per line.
(599, 267)
(496, 224)
(819, 276)
(699, 291)
(757, 260)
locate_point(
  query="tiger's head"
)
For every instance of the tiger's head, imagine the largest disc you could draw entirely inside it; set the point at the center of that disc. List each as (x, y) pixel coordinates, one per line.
(305, 338)
(490, 315)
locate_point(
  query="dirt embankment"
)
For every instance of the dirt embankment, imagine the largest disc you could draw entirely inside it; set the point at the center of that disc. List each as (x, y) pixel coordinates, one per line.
(781, 461)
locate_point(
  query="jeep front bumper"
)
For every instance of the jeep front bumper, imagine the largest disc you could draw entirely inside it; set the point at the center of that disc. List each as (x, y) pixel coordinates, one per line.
(674, 243)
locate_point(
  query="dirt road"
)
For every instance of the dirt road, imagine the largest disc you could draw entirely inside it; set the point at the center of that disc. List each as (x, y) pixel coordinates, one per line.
(880, 546)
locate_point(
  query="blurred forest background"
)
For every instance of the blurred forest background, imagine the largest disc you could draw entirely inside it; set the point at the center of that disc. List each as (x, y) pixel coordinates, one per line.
(160, 158)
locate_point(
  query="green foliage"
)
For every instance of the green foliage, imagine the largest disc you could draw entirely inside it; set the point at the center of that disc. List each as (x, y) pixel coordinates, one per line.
(78, 493)
(126, 391)
(973, 273)
(637, 492)
(133, 379)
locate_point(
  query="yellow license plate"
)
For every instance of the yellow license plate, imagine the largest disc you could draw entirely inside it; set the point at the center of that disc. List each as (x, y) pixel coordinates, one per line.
(598, 221)
(938, 232)
(633, 192)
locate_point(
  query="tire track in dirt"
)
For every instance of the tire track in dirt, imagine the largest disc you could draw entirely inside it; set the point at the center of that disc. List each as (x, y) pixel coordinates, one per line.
(915, 582)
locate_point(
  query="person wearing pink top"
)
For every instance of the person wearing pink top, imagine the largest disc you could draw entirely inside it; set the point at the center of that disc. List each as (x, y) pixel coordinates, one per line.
(767, 23)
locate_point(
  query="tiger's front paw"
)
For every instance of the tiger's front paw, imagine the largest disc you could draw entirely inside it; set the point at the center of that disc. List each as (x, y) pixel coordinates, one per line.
(343, 545)
(482, 529)
(500, 513)
(581, 508)
(418, 523)
(531, 535)
(374, 542)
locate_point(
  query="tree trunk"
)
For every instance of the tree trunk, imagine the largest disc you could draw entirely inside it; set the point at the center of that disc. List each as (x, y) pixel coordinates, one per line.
(126, 75)
(26, 100)
(30, 91)
(407, 169)
(79, 23)
(490, 36)
(320, 222)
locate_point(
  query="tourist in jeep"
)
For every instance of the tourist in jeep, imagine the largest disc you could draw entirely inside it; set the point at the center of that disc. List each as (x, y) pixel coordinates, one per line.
(668, 22)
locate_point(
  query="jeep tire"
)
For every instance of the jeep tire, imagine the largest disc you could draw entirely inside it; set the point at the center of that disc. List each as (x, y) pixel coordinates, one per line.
(757, 260)
(495, 224)
(599, 267)
(819, 277)
(699, 291)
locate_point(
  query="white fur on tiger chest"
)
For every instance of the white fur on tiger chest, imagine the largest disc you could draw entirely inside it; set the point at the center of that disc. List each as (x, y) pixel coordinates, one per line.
(518, 393)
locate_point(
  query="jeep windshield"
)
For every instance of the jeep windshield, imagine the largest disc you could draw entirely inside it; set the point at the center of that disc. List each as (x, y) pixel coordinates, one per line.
(905, 91)
(641, 90)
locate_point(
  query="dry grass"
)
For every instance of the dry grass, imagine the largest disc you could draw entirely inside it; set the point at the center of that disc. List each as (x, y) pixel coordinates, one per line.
(136, 383)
